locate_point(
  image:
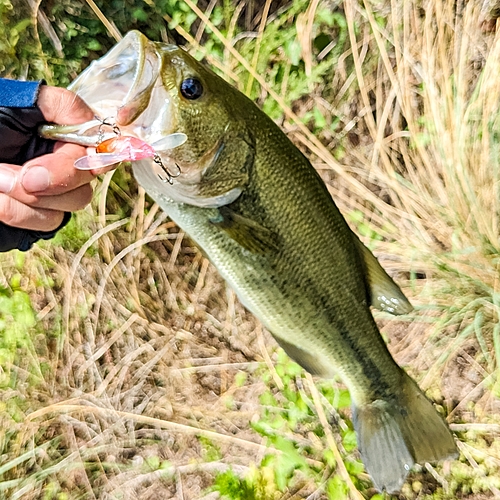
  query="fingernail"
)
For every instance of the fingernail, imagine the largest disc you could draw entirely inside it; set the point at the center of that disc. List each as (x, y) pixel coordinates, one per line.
(35, 179)
(7, 181)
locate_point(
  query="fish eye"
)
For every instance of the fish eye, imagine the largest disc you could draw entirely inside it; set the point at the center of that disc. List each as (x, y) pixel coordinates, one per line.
(191, 88)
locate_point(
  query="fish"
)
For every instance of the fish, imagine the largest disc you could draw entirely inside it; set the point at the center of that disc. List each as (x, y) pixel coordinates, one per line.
(263, 216)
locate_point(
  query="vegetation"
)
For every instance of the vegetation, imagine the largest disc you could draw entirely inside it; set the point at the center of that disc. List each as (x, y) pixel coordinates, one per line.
(127, 368)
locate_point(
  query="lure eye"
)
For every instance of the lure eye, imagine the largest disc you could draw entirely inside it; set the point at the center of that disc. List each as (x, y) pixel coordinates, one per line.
(191, 88)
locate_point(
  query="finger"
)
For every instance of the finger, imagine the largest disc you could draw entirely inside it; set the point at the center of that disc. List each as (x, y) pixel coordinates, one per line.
(17, 214)
(62, 106)
(55, 173)
(71, 201)
(68, 201)
(58, 197)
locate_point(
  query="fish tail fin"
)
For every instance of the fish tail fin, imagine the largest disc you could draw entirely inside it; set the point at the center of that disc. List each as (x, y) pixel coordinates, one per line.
(395, 434)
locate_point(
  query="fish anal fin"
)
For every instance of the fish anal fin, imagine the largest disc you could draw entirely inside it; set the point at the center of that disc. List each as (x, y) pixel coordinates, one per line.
(247, 233)
(308, 361)
(385, 294)
(395, 434)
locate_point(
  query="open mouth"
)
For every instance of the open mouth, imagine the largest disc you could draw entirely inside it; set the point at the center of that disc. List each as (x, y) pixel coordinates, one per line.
(124, 87)
(134, 122)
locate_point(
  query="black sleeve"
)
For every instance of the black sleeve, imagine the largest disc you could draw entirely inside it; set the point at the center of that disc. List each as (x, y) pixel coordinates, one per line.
(23, 239)
(19, 142)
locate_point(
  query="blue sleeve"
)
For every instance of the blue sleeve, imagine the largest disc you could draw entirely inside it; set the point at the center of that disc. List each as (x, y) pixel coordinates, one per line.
(16, 94)
(20, 142)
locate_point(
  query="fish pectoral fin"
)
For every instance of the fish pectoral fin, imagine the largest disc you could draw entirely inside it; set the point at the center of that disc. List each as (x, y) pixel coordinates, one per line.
(385, 294)
(247, 233)
(230, 167)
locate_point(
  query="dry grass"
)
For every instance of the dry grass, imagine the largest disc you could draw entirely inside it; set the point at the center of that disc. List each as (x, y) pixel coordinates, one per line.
(140, 347)
(145, 363)
(434, 157)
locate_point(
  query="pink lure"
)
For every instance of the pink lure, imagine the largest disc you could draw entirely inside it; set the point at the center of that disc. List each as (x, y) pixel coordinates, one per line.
(131, 147)
(127, 148)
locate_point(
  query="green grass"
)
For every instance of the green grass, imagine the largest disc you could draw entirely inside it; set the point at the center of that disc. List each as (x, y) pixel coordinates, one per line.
(128, 370)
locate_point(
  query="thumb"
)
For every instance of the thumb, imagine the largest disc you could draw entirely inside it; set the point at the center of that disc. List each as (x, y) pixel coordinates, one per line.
(62, 106)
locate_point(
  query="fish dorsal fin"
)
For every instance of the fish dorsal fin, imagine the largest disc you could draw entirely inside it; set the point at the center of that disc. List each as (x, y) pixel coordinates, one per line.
(385, 294)
(247, 233)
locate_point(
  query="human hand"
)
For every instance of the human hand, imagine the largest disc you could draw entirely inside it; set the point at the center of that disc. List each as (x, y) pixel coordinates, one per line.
(36, 195)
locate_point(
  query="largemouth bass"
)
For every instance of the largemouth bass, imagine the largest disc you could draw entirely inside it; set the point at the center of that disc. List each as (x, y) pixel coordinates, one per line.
(260, 212)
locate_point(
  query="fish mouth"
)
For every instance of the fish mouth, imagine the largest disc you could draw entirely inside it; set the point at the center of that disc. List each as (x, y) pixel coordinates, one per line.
(124, 87)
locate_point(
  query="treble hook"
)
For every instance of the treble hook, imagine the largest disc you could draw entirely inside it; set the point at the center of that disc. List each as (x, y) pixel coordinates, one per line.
(169, 175)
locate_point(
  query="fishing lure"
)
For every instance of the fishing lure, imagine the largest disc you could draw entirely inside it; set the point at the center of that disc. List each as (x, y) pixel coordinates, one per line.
(129, 148)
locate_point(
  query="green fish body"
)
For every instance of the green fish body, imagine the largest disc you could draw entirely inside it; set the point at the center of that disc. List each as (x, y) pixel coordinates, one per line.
(263, 216)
